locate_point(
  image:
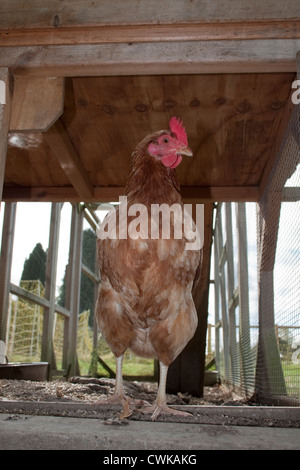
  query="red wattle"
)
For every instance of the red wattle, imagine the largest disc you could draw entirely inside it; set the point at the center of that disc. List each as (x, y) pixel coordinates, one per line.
(171, 160)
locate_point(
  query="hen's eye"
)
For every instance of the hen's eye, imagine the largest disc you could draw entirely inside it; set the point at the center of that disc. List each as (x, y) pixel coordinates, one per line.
(166, 140)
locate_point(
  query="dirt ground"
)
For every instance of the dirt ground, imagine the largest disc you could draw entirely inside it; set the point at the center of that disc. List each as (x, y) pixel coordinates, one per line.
(89, 390)
(86, 390)
(78, 397)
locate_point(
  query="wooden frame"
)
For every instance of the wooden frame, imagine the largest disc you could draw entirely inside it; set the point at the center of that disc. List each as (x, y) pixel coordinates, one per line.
(47, 354)
(37, 103)
(108, 194)
(5, 113)
(5, 264)
(71, 311)
(236, 356)
(73, 291)
(63, 40)
(63, 149)
(244, 318)
(150, 58)
(57, 15)
(103, 34)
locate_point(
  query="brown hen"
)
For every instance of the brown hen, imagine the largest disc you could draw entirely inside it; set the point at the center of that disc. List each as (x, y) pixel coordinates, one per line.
(145, 298)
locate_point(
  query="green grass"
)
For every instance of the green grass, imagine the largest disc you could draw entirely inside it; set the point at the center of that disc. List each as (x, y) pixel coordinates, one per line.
(290, 369)
(292, 378)
(132, 364)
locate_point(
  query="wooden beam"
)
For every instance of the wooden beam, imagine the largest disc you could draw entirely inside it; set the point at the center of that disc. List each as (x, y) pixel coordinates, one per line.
(231, 305)
(192, 194)
(219, 240)
(5, 264)
(220, 194)
(90, 274)
(247, 365)
(290, 194)
(62, 147)
(58, 14)
(73, 289)
(269, 379)
(279, 135)
(191, 57)
(186, 373)
(193, 31)
(6, 86)
(47, 353)
(37, 103)
(26, 295)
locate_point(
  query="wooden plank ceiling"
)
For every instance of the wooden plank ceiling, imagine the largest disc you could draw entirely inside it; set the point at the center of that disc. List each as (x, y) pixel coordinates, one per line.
(233, 123)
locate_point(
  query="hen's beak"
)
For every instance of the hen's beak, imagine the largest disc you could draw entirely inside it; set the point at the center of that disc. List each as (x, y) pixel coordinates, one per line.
(186, 151)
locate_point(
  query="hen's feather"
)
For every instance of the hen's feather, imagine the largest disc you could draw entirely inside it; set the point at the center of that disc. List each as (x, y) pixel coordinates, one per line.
(145, 299)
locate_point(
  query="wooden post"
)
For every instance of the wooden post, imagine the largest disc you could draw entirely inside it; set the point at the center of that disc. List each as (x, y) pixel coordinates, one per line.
(209, 352)
(186, 373)
(221, 273)
(5, 264)
(94, 361)
(50, 286)
(234, 355)
(247, 368)
(67, 319)
(73, 288)
(217, 297)
(6, 86)
(269, 380)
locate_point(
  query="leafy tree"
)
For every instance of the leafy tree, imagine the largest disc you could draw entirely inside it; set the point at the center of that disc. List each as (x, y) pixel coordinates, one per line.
(87, 286)
(61, 299)
(35, 266)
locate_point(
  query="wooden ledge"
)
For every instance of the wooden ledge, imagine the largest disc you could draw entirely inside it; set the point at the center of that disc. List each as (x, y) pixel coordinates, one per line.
(192, 31)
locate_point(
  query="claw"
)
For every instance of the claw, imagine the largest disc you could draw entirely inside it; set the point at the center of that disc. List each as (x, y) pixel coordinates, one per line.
(112, 400)
(158, 410)
(120, 399)
(127, 411)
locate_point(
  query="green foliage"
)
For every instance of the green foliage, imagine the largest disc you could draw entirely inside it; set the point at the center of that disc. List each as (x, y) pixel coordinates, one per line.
(61, 299)
(87, 301)
(34, 268)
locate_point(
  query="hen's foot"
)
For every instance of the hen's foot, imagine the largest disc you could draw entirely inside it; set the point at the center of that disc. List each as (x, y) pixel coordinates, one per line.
(112, 400)
(126, 402)
(119, 400)
(158, 410)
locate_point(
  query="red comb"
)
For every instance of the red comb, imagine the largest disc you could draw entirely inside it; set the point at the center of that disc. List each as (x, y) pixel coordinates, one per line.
(178, 129)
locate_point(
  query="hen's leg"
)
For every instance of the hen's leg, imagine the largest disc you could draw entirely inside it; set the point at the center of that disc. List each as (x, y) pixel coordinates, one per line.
(118, 395)
(160, 405)
(119, 388)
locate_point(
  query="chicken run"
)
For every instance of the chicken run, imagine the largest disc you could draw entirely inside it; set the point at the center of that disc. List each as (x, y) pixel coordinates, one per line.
(185, 132)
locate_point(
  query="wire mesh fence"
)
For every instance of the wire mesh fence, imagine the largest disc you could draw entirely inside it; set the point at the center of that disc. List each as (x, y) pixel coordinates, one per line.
(256, 279)
(25, 326)
(25, 331)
